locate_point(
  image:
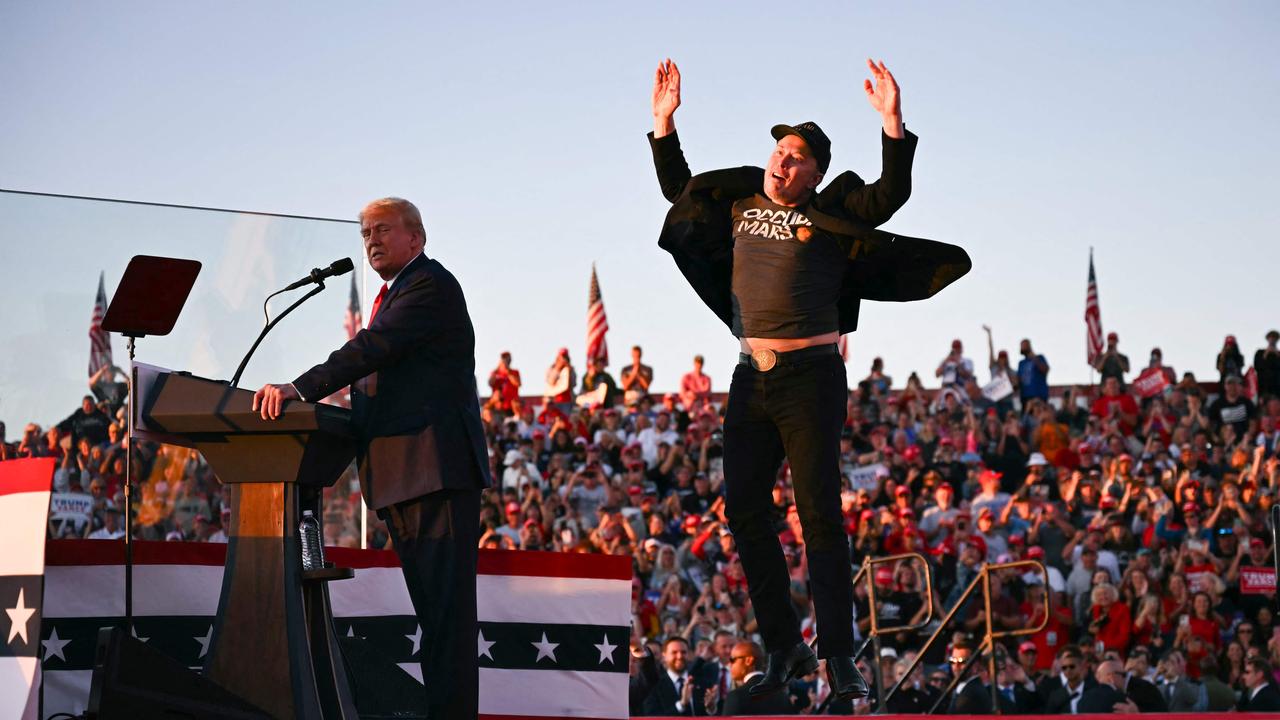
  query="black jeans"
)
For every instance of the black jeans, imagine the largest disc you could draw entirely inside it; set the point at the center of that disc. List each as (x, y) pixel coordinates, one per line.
(795, 410)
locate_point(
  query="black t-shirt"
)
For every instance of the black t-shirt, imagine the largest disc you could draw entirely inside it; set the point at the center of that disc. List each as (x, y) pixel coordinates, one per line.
(1235, 413)
(786, 272)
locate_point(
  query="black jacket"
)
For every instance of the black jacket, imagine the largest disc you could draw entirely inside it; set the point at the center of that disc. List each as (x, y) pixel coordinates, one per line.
(413, 390)
(1054, 698)
(882, 265)
(1268, 700)
(1145, 695)
(973, 699)
(739, 701)
(1025, 702)
(1100, 699)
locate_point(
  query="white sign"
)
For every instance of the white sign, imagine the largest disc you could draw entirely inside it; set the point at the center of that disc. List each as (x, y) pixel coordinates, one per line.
(998, 389)
(867, 477)
(70, 505)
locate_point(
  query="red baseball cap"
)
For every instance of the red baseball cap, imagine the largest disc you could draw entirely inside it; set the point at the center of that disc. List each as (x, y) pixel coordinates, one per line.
(1035, 552)
(977, 542)
(513, 507)
(902, 490)
(884, 575)
(1112, 336)
(691, 521)
(1027, 646)
(1190, 508)
(911, 453)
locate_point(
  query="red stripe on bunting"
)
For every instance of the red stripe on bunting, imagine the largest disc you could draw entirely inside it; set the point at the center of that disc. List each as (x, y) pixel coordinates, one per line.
(491, 562)
(25, 475)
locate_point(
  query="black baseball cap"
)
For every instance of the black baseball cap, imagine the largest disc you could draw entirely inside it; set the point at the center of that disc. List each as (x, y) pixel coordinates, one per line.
(812, 136)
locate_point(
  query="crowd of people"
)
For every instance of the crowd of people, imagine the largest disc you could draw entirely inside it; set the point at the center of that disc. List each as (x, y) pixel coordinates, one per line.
(1146, 498)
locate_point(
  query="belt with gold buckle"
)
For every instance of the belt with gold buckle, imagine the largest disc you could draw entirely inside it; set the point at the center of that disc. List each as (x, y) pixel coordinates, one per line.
(764, 360)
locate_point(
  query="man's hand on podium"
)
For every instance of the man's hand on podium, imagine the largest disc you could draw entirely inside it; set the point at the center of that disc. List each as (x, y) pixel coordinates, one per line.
(271, 398)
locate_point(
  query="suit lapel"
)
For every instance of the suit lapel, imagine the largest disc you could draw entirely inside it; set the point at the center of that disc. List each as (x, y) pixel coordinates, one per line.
(415, 266)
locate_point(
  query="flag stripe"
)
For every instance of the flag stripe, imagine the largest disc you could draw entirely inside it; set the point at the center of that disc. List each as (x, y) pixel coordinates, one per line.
(504, 598)
(491, 562)
(561, 694)
(26, 475)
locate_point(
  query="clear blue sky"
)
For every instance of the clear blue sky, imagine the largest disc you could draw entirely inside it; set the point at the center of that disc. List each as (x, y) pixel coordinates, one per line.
(1145, 130)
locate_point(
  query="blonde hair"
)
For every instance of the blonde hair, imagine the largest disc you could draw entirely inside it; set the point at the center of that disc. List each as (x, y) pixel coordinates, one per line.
(408, 212)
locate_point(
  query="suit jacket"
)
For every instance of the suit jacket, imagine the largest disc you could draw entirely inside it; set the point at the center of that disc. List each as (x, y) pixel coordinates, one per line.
(1025, 702)
(1185, 695)
(882, 266)
(413, 390)
(1100, 699)
(1054, 698)
(1267, 700)
(652, 692)
(973, 699)
(740, 702)
(1145, 695)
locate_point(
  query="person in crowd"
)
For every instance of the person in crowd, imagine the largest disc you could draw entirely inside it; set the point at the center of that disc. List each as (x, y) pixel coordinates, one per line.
(504, 384)
(1111, 363)
(695, 387)
(636, 379)
(1266, 363)
(560, 381)
(1260, 693)
(1033, 374)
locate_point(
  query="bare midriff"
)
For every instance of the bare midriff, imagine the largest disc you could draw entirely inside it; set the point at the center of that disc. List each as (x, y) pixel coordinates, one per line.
(750, 345)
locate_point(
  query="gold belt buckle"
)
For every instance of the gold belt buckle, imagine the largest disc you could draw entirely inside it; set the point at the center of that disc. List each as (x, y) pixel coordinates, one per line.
(764, 359)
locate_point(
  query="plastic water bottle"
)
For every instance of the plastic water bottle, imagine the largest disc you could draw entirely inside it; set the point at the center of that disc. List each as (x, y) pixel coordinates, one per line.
(312, 548)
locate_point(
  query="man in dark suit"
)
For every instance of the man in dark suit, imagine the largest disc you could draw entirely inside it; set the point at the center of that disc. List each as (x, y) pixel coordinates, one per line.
(421, 450)
(1260, 694)
(746, 668)
(972, 695)
(671, 689)
(1060, 693)
(1108, 695)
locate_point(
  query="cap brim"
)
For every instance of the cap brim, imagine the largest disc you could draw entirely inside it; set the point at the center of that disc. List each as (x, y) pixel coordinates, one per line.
(780, 131)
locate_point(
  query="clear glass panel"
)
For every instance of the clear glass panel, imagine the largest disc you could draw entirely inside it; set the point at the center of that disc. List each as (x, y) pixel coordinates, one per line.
(52, 251)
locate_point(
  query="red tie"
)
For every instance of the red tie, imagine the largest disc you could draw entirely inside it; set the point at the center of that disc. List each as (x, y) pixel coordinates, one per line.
(377, 303)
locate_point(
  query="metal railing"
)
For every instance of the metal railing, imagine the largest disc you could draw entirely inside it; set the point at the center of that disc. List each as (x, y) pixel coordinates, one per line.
(987, 645)
(873, 634)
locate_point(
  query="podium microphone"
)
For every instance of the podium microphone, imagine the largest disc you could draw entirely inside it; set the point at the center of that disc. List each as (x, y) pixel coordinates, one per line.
(341, 266)
(317, 276)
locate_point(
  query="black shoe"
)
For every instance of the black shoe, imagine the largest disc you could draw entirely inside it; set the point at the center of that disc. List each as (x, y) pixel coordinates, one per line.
(846, 680)
(785, 666)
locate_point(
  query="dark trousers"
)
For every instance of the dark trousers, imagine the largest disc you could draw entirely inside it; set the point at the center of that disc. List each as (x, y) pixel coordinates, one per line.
(796, 410)
(436, 537)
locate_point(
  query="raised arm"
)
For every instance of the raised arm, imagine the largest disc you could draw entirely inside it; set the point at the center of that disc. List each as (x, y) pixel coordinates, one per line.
(666, 98)
(668, 158)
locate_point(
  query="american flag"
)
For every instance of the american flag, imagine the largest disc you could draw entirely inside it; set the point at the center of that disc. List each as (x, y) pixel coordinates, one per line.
(1092, 315)
(354, 320)
(99, 340)
(597, 322)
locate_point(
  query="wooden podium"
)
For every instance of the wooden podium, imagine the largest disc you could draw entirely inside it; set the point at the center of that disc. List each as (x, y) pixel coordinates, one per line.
(273, 641)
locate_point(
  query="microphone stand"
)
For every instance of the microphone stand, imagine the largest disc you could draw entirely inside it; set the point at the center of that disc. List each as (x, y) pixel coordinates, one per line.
(235, 380)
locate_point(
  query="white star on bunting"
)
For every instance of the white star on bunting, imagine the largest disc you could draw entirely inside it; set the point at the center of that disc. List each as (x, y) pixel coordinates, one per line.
(204, 641)
(483, 646)
(546, 649)
(54, 646)
(416, 639)
(606, 650)
(19, 616)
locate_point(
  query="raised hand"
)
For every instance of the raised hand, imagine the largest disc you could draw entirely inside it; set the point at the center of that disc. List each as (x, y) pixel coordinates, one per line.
(666, 89)
(883, 96)
(666, 97)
